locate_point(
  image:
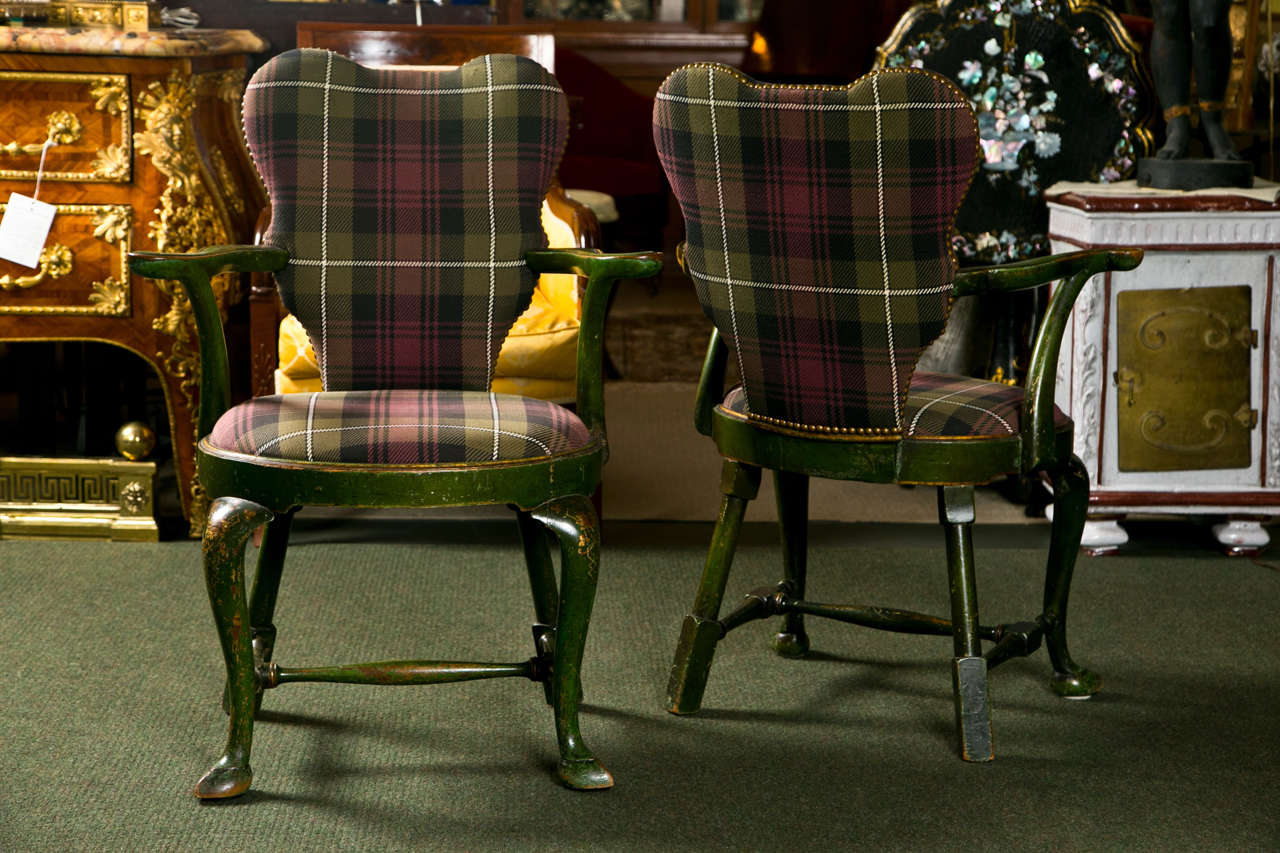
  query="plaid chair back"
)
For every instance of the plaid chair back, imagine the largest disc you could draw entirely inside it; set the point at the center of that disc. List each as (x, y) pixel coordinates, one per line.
(818, 226)
(406, 200)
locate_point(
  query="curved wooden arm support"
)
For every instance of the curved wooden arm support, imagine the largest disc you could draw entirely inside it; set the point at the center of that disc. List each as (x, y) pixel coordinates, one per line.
(1039, 448)
(1037, 271)
(194, 271)
(602, 271)
(711, 382)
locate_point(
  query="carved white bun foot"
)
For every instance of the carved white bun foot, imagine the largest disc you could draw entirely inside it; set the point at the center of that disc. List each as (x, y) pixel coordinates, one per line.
(1241, 538)
(1102, 537)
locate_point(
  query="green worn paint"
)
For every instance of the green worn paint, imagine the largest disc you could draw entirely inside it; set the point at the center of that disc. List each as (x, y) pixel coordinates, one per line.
(249, 492)
(955, 466)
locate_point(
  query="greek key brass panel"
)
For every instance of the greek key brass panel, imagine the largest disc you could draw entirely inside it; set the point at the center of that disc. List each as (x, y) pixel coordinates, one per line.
(1182, 379)
(77, 498)
(86, 117)
(83, 269)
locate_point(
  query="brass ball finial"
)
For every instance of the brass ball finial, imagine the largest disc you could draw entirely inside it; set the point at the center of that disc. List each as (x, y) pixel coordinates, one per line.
(135, 440)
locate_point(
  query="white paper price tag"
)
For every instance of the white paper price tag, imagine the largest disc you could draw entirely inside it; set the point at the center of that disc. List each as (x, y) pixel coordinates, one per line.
(24, 229)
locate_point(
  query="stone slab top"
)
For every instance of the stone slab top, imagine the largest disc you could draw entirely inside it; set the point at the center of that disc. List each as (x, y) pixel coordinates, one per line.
(109, 42)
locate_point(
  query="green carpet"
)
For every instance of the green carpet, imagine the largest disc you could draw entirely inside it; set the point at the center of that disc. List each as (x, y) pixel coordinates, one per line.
(111, 676)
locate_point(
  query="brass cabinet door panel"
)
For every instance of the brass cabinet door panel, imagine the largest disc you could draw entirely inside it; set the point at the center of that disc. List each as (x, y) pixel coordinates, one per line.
(86, 115)
(1182, 379)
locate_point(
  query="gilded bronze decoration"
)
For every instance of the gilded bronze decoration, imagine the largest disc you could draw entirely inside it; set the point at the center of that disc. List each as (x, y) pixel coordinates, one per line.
(134, 17)
(55, 262)
(225, 85)
(63, 129)
(135, 440)
(1183, 379)
(133, 497)
(110, 94)
(189, 218)
(188, 213)
(235, 201)
(112, 223)
(110, 297)
(112, 163)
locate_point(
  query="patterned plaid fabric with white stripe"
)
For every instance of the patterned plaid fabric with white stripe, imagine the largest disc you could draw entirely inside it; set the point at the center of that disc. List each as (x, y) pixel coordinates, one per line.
(818, 225)
(942, 406)
(399, 428)
(406, 200)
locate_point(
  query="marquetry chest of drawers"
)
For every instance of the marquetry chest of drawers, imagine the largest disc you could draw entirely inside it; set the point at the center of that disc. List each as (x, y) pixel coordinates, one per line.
(1171, 372)
(145, 152)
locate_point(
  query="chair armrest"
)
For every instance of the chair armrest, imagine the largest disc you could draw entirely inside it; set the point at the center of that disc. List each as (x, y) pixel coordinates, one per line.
(714, 365)
(711, 382)
(592, 263)
(1075, 269)
(602, 271)
(1037, 271)
(194, 271)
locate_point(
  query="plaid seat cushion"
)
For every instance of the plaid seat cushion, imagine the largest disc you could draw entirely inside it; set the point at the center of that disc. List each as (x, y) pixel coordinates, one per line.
(818, 225)
(399, 427)
(406, 200)
(940, 405)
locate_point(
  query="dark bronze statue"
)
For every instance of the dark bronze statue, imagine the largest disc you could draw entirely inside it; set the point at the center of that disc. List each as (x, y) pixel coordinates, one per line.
(1192, 34)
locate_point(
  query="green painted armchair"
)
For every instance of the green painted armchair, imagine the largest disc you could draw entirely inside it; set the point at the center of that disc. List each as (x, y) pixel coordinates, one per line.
(819, 224)
(406, 238)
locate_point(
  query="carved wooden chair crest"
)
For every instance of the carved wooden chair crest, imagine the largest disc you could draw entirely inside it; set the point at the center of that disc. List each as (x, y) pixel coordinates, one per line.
(406, 236)
(819, 225)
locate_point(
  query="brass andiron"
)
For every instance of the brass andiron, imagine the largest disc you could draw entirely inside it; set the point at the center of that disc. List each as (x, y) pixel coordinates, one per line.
(69, 498)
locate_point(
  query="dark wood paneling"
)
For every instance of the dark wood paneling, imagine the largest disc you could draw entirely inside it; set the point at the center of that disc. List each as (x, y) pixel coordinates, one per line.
(276, 22)
(398, 44)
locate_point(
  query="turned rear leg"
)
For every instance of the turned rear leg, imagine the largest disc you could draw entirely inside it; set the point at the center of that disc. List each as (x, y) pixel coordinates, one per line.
(792, 492)
(698, 637)
(969, 669)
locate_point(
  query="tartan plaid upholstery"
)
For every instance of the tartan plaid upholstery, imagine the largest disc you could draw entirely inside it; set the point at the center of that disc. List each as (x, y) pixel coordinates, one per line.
(399, 427)
(406, 200)
(940, 405)
(818, 224)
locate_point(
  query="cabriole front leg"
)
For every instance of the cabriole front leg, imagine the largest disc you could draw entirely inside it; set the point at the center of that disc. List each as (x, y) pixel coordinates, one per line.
(262, 598)
(542, 581)
(231, 522)
(792, 491)
(573, 521)
(1070, 504)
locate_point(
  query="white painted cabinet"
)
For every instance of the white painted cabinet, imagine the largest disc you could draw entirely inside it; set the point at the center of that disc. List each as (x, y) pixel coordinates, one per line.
(1170, 371)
